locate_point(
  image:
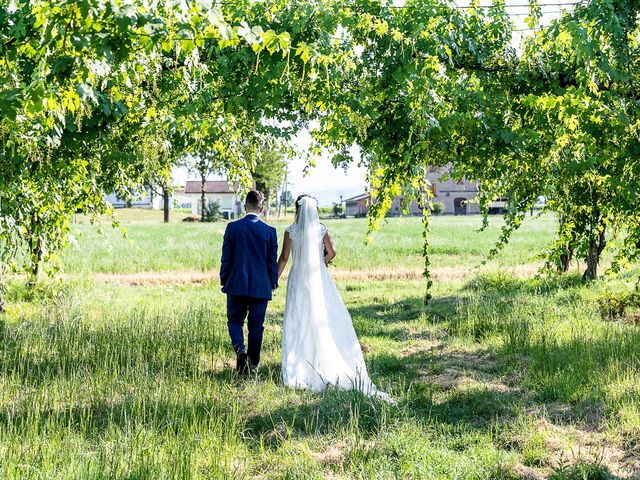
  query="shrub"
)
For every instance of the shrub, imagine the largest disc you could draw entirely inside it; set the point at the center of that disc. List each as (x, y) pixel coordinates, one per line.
(338, 210)
(581, 471)
(437, 208)
(212, 211)
(614, 305)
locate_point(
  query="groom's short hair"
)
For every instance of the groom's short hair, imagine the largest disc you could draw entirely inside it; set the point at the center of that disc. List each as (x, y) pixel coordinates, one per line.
(255, 199)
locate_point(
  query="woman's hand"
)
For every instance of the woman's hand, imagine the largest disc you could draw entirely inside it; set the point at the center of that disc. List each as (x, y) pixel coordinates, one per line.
(328, 247)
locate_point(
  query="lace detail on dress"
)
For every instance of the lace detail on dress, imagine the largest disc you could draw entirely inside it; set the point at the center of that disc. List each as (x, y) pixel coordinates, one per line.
(292, 230)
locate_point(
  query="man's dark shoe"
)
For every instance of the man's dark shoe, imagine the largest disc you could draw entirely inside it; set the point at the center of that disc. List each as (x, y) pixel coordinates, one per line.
(242, 363)
(253, 369)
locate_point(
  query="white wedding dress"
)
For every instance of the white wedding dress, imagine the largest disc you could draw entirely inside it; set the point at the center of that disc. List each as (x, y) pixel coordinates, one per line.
(319, 344)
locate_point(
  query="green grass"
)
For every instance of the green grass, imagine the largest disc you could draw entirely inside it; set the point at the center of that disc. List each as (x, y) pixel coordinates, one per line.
(500, 377)
(188, 246)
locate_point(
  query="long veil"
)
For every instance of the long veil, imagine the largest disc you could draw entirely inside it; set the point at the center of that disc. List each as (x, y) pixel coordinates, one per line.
(308, 256)
(320, 346)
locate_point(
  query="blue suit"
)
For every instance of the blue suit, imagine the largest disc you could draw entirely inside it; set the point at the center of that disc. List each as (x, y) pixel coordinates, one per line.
(248, 275)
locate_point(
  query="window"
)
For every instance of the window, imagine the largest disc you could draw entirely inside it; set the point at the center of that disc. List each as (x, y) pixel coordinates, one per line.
(225, 201)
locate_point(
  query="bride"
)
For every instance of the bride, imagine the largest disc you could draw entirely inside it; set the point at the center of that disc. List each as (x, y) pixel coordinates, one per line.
(319, 344)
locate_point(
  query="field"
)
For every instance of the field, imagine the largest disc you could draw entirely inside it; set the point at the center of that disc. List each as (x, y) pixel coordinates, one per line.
(122, 369)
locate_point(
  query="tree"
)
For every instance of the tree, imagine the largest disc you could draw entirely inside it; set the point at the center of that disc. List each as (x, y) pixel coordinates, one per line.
(77, 98)
(436, 85)
(426, 84)
(286, 197)
(269, 155)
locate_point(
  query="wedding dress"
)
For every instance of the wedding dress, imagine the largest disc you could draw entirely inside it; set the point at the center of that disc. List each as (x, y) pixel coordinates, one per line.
(319, 344)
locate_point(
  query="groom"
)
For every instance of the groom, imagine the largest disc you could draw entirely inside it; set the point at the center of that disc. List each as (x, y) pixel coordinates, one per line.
(248, 275)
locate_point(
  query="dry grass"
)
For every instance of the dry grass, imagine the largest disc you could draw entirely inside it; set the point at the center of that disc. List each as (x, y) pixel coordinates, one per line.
(195, 277)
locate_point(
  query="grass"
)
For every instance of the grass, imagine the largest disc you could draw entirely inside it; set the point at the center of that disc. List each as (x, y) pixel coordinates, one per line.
(500, 377)
(186, 246)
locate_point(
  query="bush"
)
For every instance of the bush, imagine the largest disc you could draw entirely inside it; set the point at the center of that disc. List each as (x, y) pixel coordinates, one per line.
(338, 210)
(437, 208)
(582, 471)
(212, 211)
(615, 305)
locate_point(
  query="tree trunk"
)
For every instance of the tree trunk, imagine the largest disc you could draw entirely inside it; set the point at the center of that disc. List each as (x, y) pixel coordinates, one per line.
(597, 242)
(37, 257)
(1, 289)
(565, 260)
(36, 250)
(165, 203)
(280, 202)
(591, 273)
(267, 201)
(202, 196)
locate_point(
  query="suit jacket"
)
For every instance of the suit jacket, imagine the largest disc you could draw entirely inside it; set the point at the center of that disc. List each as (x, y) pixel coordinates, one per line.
(249, 264)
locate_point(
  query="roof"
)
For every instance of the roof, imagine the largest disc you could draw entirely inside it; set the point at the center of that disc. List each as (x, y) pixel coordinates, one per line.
(210, 186)
(362, 196)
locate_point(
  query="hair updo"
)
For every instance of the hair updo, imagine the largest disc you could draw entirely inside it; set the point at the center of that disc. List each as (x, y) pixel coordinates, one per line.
(300, 197)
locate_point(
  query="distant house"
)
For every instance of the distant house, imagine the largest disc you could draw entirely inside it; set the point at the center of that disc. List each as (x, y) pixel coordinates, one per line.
(455, 195)
(144, 200)
(458, 196)
(180, 200)
(153, 200)
(358, 206)
(228, 196)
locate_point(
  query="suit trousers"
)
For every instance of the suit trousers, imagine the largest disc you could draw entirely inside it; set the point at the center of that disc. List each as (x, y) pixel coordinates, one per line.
(239, 308)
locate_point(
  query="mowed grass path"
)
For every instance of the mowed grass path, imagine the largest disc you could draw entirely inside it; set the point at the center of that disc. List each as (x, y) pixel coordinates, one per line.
(499, 377)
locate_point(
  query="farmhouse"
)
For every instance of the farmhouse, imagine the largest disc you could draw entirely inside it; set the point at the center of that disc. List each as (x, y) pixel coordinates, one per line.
(358, 206)
(228, 196)
(456, 196)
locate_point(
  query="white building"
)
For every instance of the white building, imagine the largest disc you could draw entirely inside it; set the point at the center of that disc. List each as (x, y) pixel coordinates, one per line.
(146, 199)
(228, 196)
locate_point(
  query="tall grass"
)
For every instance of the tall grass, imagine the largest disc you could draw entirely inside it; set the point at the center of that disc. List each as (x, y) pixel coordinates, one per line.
(499, 377)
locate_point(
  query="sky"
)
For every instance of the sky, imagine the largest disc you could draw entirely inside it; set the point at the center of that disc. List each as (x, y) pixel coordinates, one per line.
(327, 183)
(323, 181)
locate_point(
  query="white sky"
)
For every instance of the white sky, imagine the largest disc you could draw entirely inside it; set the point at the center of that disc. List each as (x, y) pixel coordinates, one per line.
(327, 183)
